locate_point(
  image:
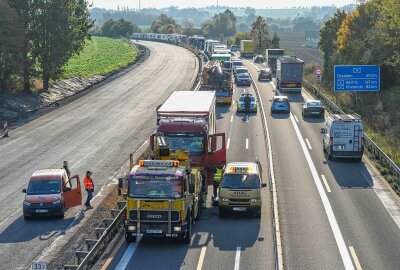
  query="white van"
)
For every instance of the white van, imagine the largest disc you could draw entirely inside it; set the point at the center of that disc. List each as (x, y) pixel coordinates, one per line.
(343, 136)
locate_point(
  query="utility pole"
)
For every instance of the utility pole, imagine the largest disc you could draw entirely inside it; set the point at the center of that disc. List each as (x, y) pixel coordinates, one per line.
(217, 4)
(139, 5)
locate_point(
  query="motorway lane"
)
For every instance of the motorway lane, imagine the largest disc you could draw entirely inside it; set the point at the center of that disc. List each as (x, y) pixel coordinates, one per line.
(367, 227)
(307, 239)
(216, 241)
(95, 132)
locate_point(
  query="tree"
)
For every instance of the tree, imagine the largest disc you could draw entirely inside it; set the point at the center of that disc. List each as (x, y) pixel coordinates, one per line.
(118, 28)
(250, 10)
(61, 29)
(12, 38)
(220, 25)
(275, 41)
(260, 34)
(165, 25)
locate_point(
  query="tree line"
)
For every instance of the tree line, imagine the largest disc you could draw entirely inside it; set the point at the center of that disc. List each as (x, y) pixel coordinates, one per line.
(38, 37)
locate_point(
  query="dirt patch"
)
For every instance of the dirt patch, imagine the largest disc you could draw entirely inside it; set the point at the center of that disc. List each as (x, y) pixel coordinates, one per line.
(20, 108)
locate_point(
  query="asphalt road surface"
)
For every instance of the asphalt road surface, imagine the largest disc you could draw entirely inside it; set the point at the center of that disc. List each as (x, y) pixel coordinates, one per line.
(329, 210)
(96, 132)
(236, 242)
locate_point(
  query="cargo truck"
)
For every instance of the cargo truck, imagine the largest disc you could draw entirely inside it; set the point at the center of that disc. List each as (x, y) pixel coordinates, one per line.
(247, 48)
(289, 73)
(216, 78)
(271, 56)
(208, 46)
(187, 121)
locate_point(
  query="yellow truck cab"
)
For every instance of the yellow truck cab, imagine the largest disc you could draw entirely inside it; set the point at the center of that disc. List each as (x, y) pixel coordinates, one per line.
(163, 200)
(240, 188)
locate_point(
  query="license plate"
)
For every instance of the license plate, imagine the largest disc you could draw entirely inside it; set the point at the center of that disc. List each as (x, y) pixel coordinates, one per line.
(42, 211)
(39, 266)
(315, 112)
(239, 209)
(154, 231)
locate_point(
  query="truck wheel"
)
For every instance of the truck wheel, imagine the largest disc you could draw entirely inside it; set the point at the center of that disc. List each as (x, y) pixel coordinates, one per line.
(188, 234)
(130, 238)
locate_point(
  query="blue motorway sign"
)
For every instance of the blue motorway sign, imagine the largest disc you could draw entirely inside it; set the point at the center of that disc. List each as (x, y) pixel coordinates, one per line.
(357, 78)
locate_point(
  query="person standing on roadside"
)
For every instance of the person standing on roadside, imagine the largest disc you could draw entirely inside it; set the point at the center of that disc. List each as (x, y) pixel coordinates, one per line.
(88, 182)
(66, 168)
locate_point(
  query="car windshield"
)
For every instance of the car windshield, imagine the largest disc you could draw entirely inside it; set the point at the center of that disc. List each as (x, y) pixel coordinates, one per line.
(237, 64)
(241, 99)
(314, 104)
(155, 186)
(243, 75)
(264, 71)
(44, 187)
(240, 181)
(241, 70)
(194, 143)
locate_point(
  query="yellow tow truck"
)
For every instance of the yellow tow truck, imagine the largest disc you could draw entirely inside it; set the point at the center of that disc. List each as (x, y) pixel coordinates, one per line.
(240, 188)
(164, 198)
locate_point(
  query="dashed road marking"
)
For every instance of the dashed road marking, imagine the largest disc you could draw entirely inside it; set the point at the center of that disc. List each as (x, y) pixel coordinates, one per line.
(308, 144)
(295, 117)
(355, 258)
(325, 183)
(201, 259)
(237, 258)
(247, 143)
(228, 143)
(231, 118)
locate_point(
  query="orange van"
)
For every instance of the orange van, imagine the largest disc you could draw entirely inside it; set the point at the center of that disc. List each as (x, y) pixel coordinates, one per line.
(50, 193)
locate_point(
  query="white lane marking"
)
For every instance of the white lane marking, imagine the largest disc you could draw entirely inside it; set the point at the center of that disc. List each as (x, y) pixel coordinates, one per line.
(201, 259)
(123, 263)
(244, 90)
(344, 253)
(228, 143)
(233, 102)
(308, 144)
(325, 183)
(273, 84)
(297, 120)
(237, 258)
(231, 118)
(79, 161)
(355, 258)
(4, 221)
(247, 143)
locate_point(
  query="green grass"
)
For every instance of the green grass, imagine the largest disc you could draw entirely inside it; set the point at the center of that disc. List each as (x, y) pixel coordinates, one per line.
(100, 56)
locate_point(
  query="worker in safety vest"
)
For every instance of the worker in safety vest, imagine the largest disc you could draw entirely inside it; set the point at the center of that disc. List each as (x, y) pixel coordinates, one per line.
(217, 180)
(88, 182)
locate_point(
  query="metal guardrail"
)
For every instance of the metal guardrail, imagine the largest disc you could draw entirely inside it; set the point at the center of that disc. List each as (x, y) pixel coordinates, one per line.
(93, 247)
(370, 145)
(275, 217)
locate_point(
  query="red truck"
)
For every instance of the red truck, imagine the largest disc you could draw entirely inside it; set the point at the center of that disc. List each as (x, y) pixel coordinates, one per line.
(187, 120)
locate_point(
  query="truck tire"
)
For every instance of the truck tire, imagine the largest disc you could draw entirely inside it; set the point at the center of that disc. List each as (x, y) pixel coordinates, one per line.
(187, 237)
(130, 238)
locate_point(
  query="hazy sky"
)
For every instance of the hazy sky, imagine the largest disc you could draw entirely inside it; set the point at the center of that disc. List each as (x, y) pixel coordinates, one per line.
(112, 4)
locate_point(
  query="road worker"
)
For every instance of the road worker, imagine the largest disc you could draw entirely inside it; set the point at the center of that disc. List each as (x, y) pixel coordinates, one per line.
(217, 180)
(88, 182)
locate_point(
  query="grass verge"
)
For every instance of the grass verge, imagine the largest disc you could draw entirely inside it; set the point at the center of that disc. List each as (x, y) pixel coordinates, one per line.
(100, 56)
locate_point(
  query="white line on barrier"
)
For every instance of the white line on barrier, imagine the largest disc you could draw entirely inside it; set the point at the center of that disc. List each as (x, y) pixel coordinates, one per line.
(325, 183)
(308, 144)
(201, 259)
(237, 258)
(355, 258)
(344, 253)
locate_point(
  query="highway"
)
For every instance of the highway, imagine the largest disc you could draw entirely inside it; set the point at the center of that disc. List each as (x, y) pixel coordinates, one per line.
(314, 194)
(95, 132)
(235, 242)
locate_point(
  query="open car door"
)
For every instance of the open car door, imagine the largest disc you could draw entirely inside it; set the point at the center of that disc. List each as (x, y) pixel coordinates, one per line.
(216, 155)
(72, 192)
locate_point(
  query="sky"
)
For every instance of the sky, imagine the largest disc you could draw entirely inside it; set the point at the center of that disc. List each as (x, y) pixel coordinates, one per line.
(112, 4)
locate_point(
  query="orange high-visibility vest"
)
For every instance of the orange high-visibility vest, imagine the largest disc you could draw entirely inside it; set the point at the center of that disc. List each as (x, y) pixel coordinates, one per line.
(88, 182)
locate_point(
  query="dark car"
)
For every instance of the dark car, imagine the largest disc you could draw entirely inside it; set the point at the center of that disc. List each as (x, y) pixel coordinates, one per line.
(258, 59)
(243, 79)
(280, 104)
(265, 75)
(313, 108)
(236, 64)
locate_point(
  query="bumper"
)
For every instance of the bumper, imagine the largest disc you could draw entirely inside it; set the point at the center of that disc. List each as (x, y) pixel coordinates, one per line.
(244, 83)
(47, 211)
(347, 154)
(265, 79)
(159, 230)
(242, 109)
(240, 208)
(280, 110)
(314, 114)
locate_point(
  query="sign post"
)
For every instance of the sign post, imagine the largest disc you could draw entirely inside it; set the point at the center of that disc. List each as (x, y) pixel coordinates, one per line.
(318, 75)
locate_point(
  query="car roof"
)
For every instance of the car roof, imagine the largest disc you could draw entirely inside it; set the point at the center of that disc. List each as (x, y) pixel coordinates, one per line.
(243, 67)
(280, 97)
(251, 165)
(48, 174)
(313, 100)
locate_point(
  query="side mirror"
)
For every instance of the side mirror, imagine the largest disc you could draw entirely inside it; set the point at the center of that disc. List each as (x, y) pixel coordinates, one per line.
(24, 190)
(323, 131)
(264, 185)
(191, 188)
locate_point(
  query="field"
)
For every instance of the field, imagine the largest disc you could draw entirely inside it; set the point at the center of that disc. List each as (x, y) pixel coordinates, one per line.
(100, 56)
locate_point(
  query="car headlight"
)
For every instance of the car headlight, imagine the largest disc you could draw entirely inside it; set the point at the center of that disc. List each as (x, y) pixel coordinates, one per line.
(27, 203)
(177, 229)
(224, 199)
(255, 200)
(57, 202)
(131, 228)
